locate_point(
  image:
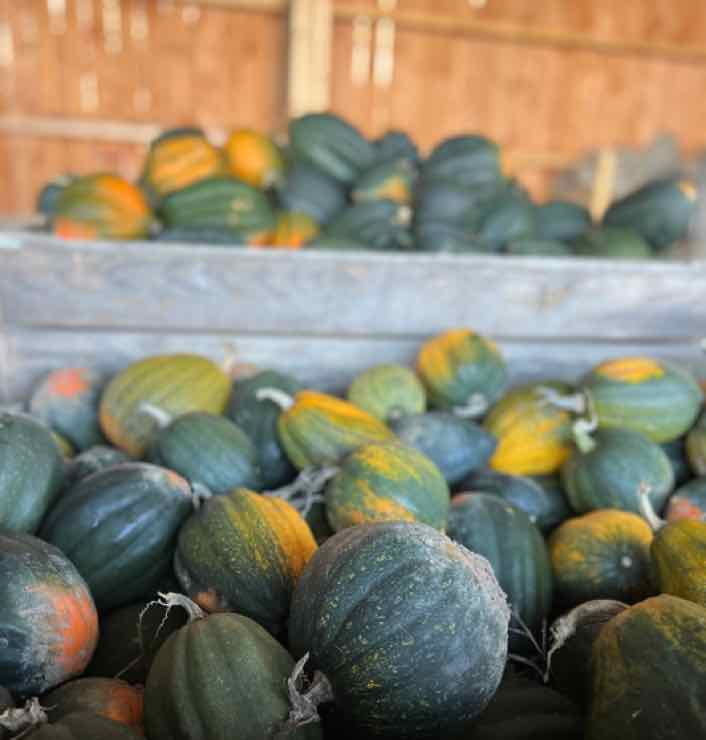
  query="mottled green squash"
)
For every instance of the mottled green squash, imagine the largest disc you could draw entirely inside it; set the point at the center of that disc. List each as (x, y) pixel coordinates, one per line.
(395, 144)
(200, 236)
(507, 217)
(49, 195)
(91, 461)
(378, 224)
(677, 454)
(561, 220)
(307, 189)
(612, 243)
(687, 502)
(388, 392)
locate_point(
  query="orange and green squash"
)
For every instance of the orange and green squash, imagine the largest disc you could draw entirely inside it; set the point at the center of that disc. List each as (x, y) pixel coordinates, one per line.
(387, 180)
(687, 502)
(119, 528)
(649, 673)
(403, 659)
(388, 392)
(696, 446)
(244, 552)
(102, 206)
(293, 229)
(31, 472)
(462, 371)
(48, 621)
(387, 481)
(534, 437)
(601, 555)
(254, 158)
(48, 196)
(176, 383)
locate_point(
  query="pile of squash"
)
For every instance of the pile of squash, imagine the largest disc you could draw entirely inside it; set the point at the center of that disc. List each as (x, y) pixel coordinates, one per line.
(331, 188)
(189, 551)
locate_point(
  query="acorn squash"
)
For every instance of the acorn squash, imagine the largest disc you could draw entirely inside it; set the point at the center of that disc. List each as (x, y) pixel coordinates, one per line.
(254, 158)
(388, 392)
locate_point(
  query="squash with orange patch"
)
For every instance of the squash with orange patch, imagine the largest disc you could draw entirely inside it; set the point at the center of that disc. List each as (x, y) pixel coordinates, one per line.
(67, 400)
(293, 230)
(119, 528)
(254, 158)
(387, 481)
(244, 552)
(108, 697)
(389, 180)
(48, 621)
(688, 502)
(102, 206)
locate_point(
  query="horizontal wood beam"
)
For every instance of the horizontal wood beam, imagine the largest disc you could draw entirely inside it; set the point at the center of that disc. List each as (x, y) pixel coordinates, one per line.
(257, 6)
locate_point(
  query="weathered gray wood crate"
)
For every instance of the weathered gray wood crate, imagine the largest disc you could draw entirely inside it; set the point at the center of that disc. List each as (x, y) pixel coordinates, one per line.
(326, 316)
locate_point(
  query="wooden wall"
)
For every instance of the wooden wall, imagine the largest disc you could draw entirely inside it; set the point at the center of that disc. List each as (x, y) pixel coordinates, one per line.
(548, 78)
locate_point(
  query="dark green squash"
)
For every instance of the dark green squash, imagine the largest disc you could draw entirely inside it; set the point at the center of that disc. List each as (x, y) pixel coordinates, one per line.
(48, 621)
(238, 691)
(456, 446)
(394, 145)
(387, 481)
(91, 461)
(391, 179)
(649, 673)
(677, 454)
(535, 247)
(318, 522)
(199, 235)
(378, 224)
(49, 195)
(696, 446)
(469, 160)
(207, 449)
(561, 220)
(67, 401)
(608, 469)
(515, 549)
(258, 419)
(84, 726)
(688, 502)
(119, 527)
(611, 242)
(307, 189)
(31, 472)
(507, 217)
(388, 392)
(339, 244)
(331, 144)
(6, 702)
(403, 659)
(544, 504)
(436, 236)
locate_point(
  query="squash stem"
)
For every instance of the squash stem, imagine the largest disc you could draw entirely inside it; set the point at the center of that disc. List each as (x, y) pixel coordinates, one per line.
(576, 402)
(647, 510)
(582, 430)
(305, 697)
(20, 721)
(282, 399)
(162, 418)
(193, 610)
(199, 494)
(474, 408)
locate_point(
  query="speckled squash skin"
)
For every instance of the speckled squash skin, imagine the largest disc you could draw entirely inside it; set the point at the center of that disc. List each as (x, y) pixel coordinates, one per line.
(534, 437)
(108, 697)
(457, 446)
(31, 472)
(244, 552)
(696, 446)
(238, 690)
(404, 660)
(687, 502)
(679, 560)
(84, 725)
(208, 449)
(91, 461)
(648, 396)
(48, 621)
(649, 673)
(175, 383)
(254, 158)
(610, 475)
(119, 528)
(319, 429)
(67, 400)
(388, 392)
(515, 549)
(544, 504)
(460, 365)
(258, 419)
(601, 555)
(387, 481)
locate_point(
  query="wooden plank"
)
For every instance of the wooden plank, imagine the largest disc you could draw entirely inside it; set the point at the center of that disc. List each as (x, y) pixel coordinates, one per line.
(329, 363)
(147, 286)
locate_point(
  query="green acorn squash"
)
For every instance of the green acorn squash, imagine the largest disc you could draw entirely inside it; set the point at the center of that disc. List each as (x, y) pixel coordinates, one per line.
(696, 446)
(82, 725)
(395, 145)
(388, 392)
(535, 247)
(611, 242)
(677, 454)
(378, 224)
(49, 195)
(687, 502)
(469, 160)
(308, 190)
(91, 461)
(392, 179)
(561, 220)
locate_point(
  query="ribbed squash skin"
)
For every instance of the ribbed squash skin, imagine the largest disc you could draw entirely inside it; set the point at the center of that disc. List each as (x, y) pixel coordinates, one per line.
(601, 555)
(388, 392)
(545, 506)
(31, 472)
(515, 549)
(510, 215)
(378, 224)
(208, 449)
(460, 365)
(561, 220)
(254, 158)
(102, 206)
(108, 697)
(331, 144)
(237, 690)
(649, 673)
(395, 144)
(610, 475)
(534, 437)
(610, 242)
(91, 461)
(244, 552)
(456, 446)
(84, 725)
(660, 211)
(649, 396)
(525, 710)
(404, 659)
(319, 429)
(687, 502)
(258, 419)
(119, 528)
(175, 383)
(387, 180)
(387, 481)
(293, 229)
(221, 203)
(179, 158)
(309, 190)
(696, 446)
(467, 160)
(679, 560)
(48, 621)
(67, 400)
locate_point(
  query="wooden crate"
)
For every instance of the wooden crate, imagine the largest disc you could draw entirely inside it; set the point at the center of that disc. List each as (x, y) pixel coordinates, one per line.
(325, 316)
